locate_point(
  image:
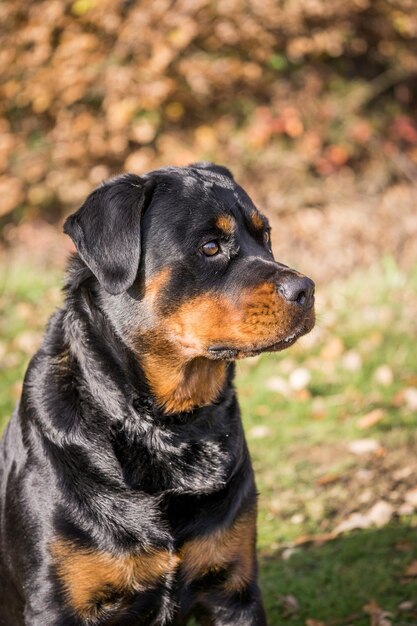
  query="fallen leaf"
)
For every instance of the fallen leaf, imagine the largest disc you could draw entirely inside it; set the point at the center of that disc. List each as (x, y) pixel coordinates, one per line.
(302, 395)
(353, 522)
(262, 410)
(381, 513)
(411, 497)
(402, 473)
(27, 341)
(364, 446)
(352, 361)
(379, 617)
(328, 479)
(411, 570)
(406, 606)
(278, 384)
(299, 378)
(370, 419)
(290, 605)
(383, 375)
(333, 349)
(410, 397)
(378, 515)
(316, 539)
(405, 509)
(289, 552)
(11, 194)
(404, 546)
(259, 432)
(364, 475)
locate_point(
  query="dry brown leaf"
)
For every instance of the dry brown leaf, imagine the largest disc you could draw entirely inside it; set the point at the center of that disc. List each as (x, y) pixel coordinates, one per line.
(383, 375)
(404, 546)
(378, 515)
(411, 570)
(378, 616)
(11, 194)
(317, 539)
(411, 497)
(290, 605)
(364, 446)
(370, 419)
(328, 479)
(333, 349)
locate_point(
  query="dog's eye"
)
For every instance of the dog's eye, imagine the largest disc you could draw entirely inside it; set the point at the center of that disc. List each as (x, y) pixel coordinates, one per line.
(210, 248)
(267, 238)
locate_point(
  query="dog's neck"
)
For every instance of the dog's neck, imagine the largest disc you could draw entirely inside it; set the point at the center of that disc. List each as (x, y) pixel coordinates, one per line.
(181, 385)
(178, 384)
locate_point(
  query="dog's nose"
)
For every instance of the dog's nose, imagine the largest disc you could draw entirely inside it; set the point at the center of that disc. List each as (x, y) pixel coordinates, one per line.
(298, 289)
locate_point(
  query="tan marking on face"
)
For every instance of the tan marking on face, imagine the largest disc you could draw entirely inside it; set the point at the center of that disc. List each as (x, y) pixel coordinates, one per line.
(174, 353)
(90, 578)
(258, 316)
(179, 379)
(257, 221)
(233, 547)
(173, 349)
(226, 223)
(156, 284)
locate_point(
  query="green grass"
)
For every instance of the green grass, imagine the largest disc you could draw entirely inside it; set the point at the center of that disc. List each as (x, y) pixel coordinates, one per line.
(27, 298)
(339, 578)
(299, 435)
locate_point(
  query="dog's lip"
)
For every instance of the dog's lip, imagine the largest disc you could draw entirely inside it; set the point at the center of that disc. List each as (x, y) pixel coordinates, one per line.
(232, 352)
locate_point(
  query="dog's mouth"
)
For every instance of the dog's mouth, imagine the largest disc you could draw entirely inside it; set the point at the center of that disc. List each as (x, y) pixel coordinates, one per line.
(230, 353)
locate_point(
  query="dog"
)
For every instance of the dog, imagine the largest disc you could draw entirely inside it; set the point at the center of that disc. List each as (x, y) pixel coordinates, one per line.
(127, 491)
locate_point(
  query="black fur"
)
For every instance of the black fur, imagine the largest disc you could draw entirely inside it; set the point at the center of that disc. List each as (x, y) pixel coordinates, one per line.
(89, 455)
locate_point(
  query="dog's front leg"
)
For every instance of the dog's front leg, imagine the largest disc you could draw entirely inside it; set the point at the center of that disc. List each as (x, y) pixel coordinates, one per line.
(242, 608)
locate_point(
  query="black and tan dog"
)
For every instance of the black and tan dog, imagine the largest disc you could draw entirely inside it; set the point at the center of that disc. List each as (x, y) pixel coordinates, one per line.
(127, 492)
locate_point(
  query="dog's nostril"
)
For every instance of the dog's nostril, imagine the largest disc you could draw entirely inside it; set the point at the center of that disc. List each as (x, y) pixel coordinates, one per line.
(297, 289)
(301, 298)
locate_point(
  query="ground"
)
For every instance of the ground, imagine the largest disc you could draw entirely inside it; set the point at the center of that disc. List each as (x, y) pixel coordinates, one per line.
(331, 429)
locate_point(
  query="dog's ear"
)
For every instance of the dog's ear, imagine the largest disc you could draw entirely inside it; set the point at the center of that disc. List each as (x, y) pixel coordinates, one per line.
(106, 231)
(216, 169)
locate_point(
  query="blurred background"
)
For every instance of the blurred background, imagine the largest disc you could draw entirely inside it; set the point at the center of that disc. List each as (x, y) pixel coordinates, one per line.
(313, 105)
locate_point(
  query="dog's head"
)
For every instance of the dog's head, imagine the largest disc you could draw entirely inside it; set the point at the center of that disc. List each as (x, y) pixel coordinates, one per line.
(188, 276)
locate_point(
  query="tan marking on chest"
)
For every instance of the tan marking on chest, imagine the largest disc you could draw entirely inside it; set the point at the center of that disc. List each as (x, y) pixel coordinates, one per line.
(233, 548)
(92, 578)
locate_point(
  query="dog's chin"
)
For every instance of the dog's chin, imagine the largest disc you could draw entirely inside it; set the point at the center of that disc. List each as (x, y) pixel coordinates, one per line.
(231, 353)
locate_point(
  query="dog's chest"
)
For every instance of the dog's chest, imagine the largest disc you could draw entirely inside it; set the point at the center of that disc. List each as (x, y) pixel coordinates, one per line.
(182, 470)
(154, 581)
(157, 460)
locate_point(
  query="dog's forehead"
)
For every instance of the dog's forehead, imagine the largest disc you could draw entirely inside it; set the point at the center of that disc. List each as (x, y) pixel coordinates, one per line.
(209, 189)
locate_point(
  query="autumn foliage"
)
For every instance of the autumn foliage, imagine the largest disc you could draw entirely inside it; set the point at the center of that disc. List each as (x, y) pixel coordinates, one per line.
(280, 90)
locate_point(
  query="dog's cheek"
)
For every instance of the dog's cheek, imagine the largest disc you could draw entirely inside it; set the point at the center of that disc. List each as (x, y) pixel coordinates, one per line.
(202, 321)
(265, 315)
(254, 317)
